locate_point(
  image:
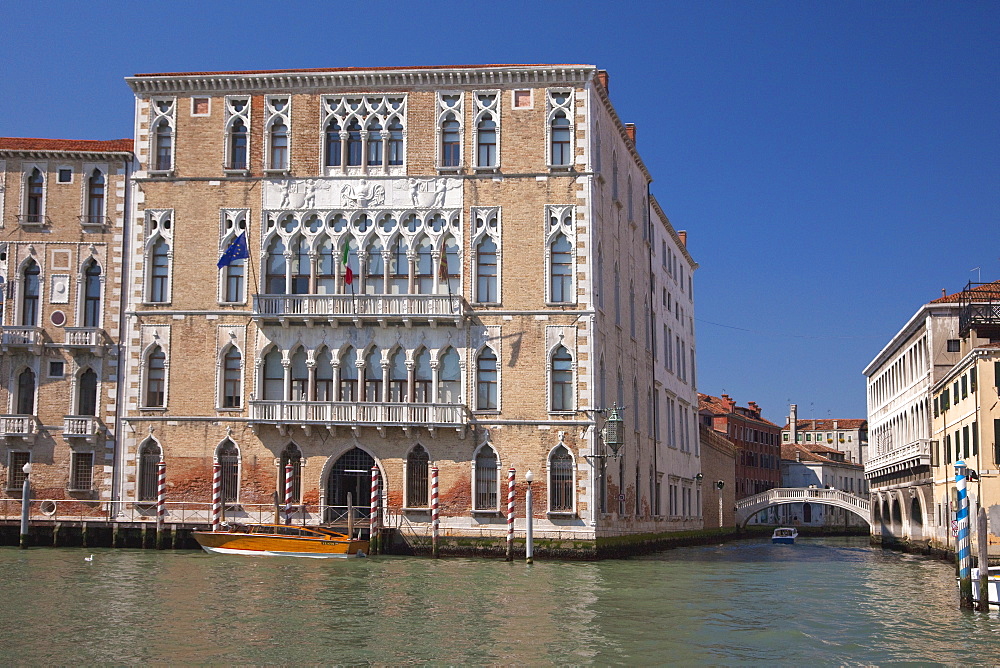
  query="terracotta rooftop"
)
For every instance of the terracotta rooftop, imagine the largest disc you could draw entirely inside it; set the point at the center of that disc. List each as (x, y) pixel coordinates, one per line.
(827, 425)
(718, 406)
(813, 453)
(68, 145)
(986, 288)
(359, 69)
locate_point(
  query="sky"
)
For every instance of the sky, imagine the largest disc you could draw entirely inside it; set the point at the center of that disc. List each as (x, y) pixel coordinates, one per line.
(835, 164)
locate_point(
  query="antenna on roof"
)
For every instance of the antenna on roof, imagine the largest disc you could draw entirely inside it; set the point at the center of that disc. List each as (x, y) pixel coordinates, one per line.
(979, 274)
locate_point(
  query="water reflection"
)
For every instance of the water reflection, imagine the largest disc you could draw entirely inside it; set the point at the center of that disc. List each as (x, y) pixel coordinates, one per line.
(822, 600)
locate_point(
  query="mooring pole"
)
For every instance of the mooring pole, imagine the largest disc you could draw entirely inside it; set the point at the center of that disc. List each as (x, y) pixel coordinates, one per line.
(982, 542)
(529, 537)
(963, 551)
(25, 504)
(373, 537)
(289, 472)
(216, 495)
(161, 498)
(435, 518)
(510, 514)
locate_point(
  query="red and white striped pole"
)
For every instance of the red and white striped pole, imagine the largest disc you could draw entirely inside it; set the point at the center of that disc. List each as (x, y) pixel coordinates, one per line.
(510, 514)
(373, 518)
(288, 492)
(161, 501)
(216, 495)
(435, 519)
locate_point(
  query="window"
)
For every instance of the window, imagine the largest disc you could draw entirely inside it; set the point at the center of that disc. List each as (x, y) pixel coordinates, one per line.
(155, 377)
(375, 139)
(163, 138)
(149, 460)
(486, 271)
(398, 377)
(29, 294)
(562, 269)
(417, 469)
(291, 455)
(26, 393)
(449, 378)
(559, 110)
(450, 107)
(86, 402)
(560, 480)
(92, 295)
(954, 345)
(232, 363)
(34, 197)
(238, 142)
(278, 147)
(424, 282)
(95, 198)
(363, 132)
(485, 492)
(64, 175)
(274, 271)
(395, 143)
(228, 456)
(334, 145)
(57, 369)
(486, 144)
(373, 376)
(486, 380)
(276, 134)
(560, 140)
(423, 377)
(562, 380)
(159, 270)
(81, 477)
(521, 99)
(348, 375)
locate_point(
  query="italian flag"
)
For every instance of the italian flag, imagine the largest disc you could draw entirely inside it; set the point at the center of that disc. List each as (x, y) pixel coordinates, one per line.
(348, 274)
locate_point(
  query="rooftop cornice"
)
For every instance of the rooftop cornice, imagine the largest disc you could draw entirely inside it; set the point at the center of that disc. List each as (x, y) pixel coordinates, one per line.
(602, 94)
(359, 79)
(673, 233)
(36, 154)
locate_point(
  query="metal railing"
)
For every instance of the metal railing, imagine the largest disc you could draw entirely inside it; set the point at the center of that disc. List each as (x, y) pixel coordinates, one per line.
(979, 304)
(350, 306)
(369, 413)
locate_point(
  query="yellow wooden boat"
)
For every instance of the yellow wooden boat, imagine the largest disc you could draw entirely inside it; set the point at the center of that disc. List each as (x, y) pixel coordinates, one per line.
(281, 540)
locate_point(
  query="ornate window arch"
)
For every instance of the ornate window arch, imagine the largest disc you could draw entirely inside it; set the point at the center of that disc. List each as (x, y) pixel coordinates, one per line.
(559, 127)
(149, 456)
(227, 454)
(399, 376)
(487, 380)
(231, 377)
(26, 388)
(561, 480)
(93, 282)
(348, 374)
(31, 286)
(34, 196)
(272, 375)
(561, 255)
(485, 479)
(487, 128)
(159, 253)
(561, 387)
(374, 376)
(423, 376)
(96, 195)
(161, 136)
(277, 133)
(87, 392)
(237, 158)
(417, 474)
(449, 390)
(450, 112)
(154, 378)
(232, 277)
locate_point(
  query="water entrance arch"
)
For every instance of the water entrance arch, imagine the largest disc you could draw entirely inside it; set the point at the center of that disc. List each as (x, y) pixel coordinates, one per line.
(350, 474)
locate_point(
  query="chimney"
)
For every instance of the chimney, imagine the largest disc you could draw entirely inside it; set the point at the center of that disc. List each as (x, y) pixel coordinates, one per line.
(835, 422)
(630, 131)
(602, 79)
(944, 293)
(793, 422)
(729, 403)
(684, 237)
(754, 407)
(798, 455)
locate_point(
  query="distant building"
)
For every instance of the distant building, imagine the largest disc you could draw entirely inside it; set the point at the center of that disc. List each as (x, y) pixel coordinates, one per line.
(718, 465)
(757, 441)
(850, 436)
(817, 465)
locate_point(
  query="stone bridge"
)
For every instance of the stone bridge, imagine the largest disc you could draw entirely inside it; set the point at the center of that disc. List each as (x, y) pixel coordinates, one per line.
(750, 506)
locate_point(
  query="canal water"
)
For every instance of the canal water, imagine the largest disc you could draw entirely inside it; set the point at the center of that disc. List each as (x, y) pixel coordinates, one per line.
(828, 601)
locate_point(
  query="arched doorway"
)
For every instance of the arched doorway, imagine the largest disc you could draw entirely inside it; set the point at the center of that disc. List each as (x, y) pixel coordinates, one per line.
(807, 513)
(916, 520)
(897, 519)
(351, 474)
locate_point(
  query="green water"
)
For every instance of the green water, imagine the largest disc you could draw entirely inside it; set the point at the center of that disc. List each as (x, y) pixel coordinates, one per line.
(832, 601)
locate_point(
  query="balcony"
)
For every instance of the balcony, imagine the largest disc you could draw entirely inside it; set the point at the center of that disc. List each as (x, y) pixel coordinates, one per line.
(909, 457)
(93, 223)
(329, 414)
(84, 427)
(359, 309)
(18, 429)
(20, 338)
(33, 221)
(980, 310)
(86, 339)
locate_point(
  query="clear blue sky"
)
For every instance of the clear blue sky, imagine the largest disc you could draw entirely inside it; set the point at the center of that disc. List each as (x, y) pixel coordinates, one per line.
(834, 163)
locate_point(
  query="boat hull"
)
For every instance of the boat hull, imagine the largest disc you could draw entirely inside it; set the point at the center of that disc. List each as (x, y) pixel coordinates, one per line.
(264, 545)
(992, 585)
(783, 541)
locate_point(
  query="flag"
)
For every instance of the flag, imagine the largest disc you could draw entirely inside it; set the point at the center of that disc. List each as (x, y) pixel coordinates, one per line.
(348, 274)
(236, 250)
(443, 265)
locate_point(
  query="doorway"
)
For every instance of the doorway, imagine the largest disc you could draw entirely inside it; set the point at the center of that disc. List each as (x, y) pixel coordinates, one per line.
(351, 474)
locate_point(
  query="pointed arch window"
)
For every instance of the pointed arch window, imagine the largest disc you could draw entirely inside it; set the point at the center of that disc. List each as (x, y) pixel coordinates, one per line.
(486, 380)
(395, 142)
(450, 141)
(95, 198)
(35, 199)
(486, 479)
(163, 143)
(334, 146)
(232, 381)
(399, 268)
(30, 294)
(562, 269)
(238, 142)
(278, 146)
(422, 377)
(562, 380)
(228, 456)
(560, 480)
(324, 376)
(291, 455)
(86, 402)
(417, 469)
(274, 377)
(301, 264)
(159, 271)
(375, 147)
(425, 267)
(449, 378)
(149, 460)
(354, 154)
(560, 138)
(26, 392)
(348, 376)
(156, 374)
(486, 134)
(373, 375)
(326, 268)
(398, 375)
(274, 272)
(486, 271)
(375, 271)
(92, 295)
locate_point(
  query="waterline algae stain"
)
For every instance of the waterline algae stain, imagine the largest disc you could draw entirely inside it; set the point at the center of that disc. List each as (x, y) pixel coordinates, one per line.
(826, 601)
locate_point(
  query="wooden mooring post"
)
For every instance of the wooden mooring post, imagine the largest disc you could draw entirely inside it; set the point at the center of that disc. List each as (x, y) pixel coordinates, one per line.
(982, 542)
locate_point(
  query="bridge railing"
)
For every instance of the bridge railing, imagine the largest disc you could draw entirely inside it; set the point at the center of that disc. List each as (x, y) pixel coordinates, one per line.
(803, 494)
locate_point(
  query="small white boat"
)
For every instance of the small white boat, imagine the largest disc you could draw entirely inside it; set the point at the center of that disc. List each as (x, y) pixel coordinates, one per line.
(992, 586)
(784, 536)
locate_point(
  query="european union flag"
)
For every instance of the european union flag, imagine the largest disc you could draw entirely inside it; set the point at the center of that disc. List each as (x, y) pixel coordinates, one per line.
(237, 250)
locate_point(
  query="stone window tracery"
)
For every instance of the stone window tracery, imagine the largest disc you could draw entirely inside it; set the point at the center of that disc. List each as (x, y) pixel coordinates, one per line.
(450, 114)
(559, 127)
(158, 255)
(277, 134)
(232, 277)
(561, 479)
(162, 123)
(237, 134)
(486, 242)
(487, 128)
(560, 255)
(363, 134)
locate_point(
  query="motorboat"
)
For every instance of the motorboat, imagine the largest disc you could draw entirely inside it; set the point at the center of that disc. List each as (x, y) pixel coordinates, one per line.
(784, 536)
(281, 540)
(992, 584)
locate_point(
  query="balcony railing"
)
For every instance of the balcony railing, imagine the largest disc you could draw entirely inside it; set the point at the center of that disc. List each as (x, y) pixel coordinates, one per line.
(93, 222)
(82, 426)
(92, 339)
(370, 414)
(18, 427)
(980, 308)
(910, 456)
(21, 337)
(32, 220)
(379, 308)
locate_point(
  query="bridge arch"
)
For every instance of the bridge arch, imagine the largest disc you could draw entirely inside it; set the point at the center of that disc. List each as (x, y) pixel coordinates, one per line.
(750, 506)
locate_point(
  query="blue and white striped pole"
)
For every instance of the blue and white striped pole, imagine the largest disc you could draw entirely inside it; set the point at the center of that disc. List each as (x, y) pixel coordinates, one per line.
(964, 544)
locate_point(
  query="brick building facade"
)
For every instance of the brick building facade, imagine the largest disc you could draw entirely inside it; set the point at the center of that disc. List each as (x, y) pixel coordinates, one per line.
(757, 441)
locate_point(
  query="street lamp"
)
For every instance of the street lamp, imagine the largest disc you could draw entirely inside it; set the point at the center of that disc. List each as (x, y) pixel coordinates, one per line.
(25, 504)
(529, 539)
(613, 435)
(719, 484)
